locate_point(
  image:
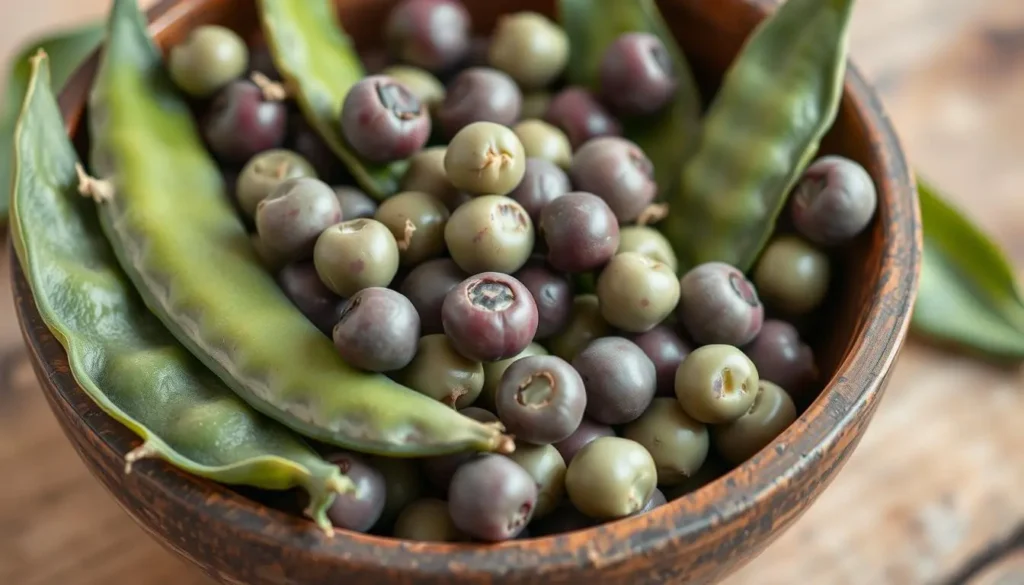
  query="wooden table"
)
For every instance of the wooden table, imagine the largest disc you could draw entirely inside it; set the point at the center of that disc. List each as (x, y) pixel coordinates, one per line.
(935, 492)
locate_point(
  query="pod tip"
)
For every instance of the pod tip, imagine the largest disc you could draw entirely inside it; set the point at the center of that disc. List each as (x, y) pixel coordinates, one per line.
(39, 55)
(319, 518)
(340, 485)
(506, 444)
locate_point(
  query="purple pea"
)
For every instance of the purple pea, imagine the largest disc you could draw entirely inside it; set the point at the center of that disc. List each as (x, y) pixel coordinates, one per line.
(432, 34)
(553, 294)
(782, 357)
(479, 94)
(578, 113)
(354, 203)
(293, 216)
(619, 377)
(427, 285)
(542, 183)
(492, 498)
(834, 201)
(378, 331)
(360, 510)
(242, 123)
(541, 399)
(617, 171)
(489, 317)
(719, 305)
(636, 75)
(302, 285)
(383, 120)
(666, 350)
(581, 232)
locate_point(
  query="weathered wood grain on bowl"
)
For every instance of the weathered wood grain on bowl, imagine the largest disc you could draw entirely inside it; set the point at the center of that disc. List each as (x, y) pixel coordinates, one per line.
(696, 539)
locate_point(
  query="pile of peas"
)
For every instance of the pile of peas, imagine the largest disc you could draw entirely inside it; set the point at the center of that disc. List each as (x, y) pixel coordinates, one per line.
(518, 274)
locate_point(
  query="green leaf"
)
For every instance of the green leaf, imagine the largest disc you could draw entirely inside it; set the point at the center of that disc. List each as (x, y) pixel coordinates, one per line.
(669, 137)
(968, 295)
(67, 50)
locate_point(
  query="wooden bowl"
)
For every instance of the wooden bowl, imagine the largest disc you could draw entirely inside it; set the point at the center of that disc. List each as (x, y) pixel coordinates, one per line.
(697, 538)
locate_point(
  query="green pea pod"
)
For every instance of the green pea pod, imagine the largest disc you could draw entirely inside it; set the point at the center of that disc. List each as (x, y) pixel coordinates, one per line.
(969, 296)
(317, 61)
(163, 207)
(776, 101)
(667, 138)
(120, 355)
(67, 50)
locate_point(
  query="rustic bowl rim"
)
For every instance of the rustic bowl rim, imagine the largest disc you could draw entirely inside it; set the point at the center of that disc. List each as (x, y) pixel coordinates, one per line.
(844, 399)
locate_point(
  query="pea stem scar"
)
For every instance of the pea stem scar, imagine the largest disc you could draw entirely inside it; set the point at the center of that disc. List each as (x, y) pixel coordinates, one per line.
(454, 396)
(495, 157)
(99, 190)
(652, 214)
(272, 90)
(409, 230)
(39, 55)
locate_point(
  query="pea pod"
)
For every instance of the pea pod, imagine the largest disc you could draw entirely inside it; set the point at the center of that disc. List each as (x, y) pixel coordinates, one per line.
(186, 251)
(316, 59)
(120, 355)
(669, 137)
(776, 101)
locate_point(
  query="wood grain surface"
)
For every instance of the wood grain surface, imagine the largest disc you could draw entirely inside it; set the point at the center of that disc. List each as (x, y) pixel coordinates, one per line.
(932, 495)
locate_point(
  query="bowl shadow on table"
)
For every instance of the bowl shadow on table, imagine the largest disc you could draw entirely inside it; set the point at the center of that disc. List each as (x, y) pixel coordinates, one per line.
(699, 537)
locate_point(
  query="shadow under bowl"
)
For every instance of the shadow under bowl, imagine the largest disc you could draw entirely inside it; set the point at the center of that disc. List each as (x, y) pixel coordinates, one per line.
(698, 538)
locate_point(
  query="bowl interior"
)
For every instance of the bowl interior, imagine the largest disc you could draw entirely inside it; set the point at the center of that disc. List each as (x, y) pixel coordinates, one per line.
(710, 33)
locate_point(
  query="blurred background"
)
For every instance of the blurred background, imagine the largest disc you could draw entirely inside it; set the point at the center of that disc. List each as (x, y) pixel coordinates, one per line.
(933, 495)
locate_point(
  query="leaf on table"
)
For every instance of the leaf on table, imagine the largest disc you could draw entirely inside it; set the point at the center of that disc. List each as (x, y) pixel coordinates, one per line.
(968, 296)
(668, 137)
(67, 50)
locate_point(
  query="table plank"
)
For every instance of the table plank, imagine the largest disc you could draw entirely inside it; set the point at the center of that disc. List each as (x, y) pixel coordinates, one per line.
(934, 484)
